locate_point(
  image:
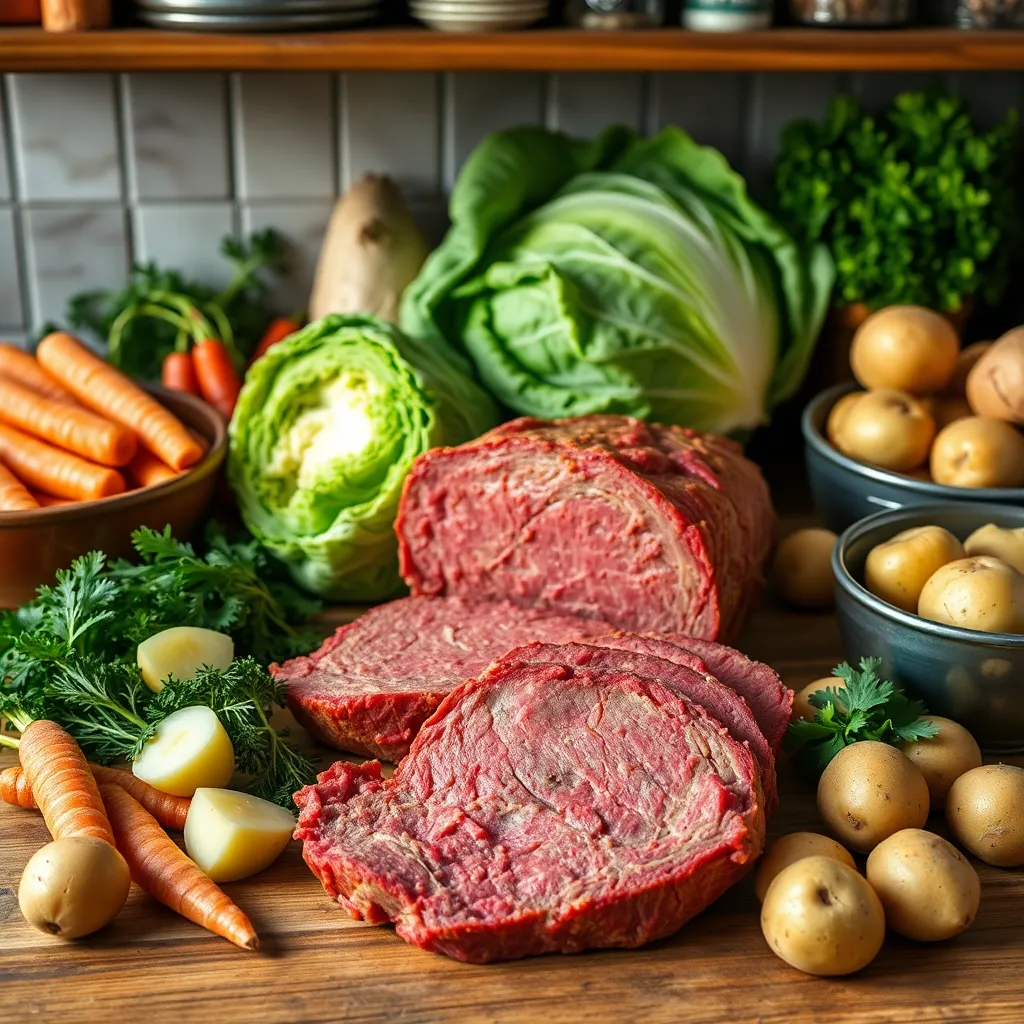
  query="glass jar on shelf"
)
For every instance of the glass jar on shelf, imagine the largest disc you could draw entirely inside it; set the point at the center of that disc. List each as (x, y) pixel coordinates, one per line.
(987, 14)
(853, 13)
(612, 15)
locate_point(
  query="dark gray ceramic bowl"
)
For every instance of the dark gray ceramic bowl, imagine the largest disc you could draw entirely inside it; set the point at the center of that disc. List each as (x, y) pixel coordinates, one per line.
(846, 491)
(975, 678)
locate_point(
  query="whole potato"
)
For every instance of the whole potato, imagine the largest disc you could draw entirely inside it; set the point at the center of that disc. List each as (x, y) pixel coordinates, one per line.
(890, 429)
(789, 849)
(947, 410)
(980, 593)
(928, 889)
(907, 348)
(823, 918)
(838, 414)
(870, 791)
(995, 386)
(985, 810)
(73, 887)
(943, 758)
(977, 452)
(965, 362)
(802, 706)
(897, 569)
(1006, 545)
(802, 570)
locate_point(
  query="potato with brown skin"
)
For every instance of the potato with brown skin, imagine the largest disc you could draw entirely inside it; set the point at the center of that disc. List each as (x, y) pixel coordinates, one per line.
(839, 412)
(978, 452)
(981, 593)
(802, 570)
(985, 810)
(890, 429)
(1006, 545)
(823, 918)
(965, 362)
(907, 348)
(943, 758)
(897, 569)
(802, 706)
(73, 887)
(947, 410)
(928, 889)
(789, 849)
(995, 387)
(870, 791)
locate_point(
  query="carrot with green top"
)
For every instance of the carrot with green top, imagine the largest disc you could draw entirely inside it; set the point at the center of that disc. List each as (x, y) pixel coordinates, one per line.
(55, 471)
(14, 495)
(67, 426)
(169, 810)
(106, 390)
(167, 874)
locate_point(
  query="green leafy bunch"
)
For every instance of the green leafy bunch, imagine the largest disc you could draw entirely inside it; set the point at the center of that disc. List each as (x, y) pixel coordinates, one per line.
(917, 205)
(865, 707)
(159, 311)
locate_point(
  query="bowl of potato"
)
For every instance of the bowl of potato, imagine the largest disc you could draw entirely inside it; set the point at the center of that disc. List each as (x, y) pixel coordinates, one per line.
(937, 592)
(923, 422)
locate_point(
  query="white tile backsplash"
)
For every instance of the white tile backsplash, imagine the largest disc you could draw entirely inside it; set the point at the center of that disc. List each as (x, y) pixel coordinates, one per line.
(285, 136)
(186, 237)
(302, 225)
(5, 180)
(66, 137)
(585, 104)
(709, 106)
(177, 136)
(392, 121)
(72, 249)
(11, 314)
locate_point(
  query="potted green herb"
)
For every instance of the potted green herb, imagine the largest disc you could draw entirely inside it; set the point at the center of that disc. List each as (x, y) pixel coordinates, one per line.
(917, 205)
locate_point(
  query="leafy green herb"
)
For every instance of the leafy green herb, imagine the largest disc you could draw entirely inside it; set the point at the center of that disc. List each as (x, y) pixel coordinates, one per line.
(158, 310)
(865, 707)
(917, 205)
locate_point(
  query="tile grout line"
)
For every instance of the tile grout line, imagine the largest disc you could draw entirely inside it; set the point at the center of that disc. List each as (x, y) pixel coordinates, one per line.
(125, 170)
(237, 213)
(340, 135)
(18, 211)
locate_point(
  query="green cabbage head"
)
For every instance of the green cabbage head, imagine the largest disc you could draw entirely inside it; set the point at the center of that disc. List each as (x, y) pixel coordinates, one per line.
(326, 428)
(624, 275)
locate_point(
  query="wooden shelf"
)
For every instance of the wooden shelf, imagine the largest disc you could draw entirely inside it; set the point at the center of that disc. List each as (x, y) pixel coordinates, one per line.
(414, 49)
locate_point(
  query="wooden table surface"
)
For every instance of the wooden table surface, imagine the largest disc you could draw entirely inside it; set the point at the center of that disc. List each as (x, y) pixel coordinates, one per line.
(317, 965)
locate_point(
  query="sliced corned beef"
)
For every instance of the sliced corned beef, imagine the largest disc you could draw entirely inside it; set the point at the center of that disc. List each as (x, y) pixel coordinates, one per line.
(542, 808)
(650, 528)
(371, 685)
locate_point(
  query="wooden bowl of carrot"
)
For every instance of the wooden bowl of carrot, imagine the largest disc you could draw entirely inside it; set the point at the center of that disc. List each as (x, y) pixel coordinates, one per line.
(87, 456)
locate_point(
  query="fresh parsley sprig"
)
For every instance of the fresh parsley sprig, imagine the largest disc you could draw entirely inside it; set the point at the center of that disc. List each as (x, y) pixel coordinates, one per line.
(865, 707)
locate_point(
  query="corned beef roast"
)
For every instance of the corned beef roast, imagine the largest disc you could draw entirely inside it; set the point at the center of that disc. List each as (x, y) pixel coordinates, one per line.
(542, 808)
(651, 528)
(371, 686)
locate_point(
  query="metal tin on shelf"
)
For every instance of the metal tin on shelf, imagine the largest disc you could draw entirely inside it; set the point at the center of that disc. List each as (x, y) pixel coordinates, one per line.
(613, 15)
(853, 13)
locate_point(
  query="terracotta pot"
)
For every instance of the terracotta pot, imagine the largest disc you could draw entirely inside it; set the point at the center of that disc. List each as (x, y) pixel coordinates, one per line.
(75, 15)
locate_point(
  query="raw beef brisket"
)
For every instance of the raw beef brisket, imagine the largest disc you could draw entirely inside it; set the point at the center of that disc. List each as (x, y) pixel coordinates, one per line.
(651, 528)
(371, 686)
(542, 808)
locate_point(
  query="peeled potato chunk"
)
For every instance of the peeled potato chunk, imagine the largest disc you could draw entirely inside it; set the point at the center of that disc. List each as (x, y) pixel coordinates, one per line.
(178, 653)
(233, 835)
(190, 750)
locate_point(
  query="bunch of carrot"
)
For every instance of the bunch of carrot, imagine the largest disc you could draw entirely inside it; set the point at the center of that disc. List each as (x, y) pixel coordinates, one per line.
(79, 799)
(73, 428)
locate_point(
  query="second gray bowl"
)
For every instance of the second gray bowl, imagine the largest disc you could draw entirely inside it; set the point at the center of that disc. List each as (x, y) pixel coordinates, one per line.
(975, 678)
(845, 490)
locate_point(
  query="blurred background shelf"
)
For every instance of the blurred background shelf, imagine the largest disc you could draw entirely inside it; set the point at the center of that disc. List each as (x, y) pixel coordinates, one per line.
(413, 49)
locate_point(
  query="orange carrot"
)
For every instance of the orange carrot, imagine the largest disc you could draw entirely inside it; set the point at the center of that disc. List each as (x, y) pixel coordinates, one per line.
(14, 495)
(110, 393)
(159, 867)
(276, 331)
(170, 811)
(179, 374)
(219, 383)
(69, 427)
(14, 788)
(146, 469)
(57, 472)
(19, 366)
(64, 788)
(51, 500)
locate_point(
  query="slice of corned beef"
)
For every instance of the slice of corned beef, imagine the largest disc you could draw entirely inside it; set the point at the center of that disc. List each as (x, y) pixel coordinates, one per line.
(651, 528)
(542, 808)
(371, 686)
(758, 684)
(662, 662)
